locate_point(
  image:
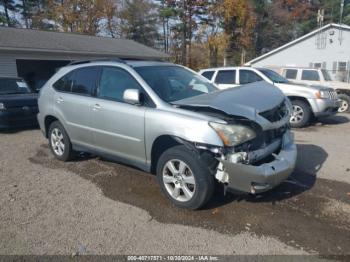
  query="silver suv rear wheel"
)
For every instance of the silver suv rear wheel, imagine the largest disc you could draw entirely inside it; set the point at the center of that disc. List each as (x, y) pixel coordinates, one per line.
(59, 142)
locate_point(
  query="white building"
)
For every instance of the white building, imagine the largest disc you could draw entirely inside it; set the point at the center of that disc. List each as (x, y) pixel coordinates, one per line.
(327, 48)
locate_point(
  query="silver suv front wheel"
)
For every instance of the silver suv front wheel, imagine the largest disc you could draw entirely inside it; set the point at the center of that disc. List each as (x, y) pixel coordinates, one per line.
(185, 177)
(301, 114)
(178, 180)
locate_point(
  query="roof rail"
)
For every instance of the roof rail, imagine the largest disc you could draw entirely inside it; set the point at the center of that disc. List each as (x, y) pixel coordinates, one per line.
(78, 62)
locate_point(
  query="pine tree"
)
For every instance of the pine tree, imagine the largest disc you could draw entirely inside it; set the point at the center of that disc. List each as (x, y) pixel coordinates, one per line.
(139, 22)
(8, 5)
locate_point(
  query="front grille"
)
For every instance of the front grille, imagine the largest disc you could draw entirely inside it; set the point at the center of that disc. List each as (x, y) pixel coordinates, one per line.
(262, 139)
(333, 95)
(277, 113)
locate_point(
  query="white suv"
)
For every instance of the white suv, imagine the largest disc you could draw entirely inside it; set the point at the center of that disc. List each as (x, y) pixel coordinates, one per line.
(314, 76)
(307, 101)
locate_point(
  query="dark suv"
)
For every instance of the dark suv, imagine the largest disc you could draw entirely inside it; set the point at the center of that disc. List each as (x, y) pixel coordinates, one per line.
(18, 105)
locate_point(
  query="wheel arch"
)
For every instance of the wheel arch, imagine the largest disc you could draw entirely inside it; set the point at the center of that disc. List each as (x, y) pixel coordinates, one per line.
(293, 98)
(343, 91)
(48, 120)
(159, 146)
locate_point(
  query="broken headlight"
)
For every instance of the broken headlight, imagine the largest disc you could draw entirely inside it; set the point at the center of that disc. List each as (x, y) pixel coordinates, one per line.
(233, 135)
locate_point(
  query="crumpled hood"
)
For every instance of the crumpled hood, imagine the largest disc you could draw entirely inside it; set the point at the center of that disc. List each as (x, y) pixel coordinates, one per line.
(246, 100)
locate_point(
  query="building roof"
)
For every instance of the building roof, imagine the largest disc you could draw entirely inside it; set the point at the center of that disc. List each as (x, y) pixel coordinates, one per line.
(302, 38)
(18, 39)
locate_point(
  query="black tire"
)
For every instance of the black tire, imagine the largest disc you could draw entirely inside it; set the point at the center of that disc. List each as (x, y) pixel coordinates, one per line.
(346, 99)
(68, 153)
(306, 117)
(204, 177)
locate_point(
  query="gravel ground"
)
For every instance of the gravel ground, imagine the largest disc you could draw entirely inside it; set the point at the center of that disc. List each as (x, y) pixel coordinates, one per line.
(92, 206)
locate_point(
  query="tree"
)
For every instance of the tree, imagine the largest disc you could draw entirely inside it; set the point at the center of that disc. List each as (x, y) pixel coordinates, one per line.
(110, 13)
(139, 22)
(281, 21)
(239, 23)
(8, 5)
(28, 9)
(166, 12)
(80, 16)
(187, 15)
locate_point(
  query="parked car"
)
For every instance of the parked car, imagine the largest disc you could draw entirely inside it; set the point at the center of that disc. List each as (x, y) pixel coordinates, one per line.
(314, 76)
(307, 101)
(168, 120)
(18, 106)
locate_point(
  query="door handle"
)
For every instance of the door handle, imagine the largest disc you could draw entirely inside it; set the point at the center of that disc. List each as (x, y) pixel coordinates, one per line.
(59, 100)
(96, 107)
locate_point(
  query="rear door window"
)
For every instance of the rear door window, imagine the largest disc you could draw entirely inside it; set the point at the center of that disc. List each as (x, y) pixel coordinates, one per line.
(226, 77)
(84, 80)
(310, 75)
(291, 73)
(208, 74)
(248, 76)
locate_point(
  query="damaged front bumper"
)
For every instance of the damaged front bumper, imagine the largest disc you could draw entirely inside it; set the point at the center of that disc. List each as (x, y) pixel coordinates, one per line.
(260, 178)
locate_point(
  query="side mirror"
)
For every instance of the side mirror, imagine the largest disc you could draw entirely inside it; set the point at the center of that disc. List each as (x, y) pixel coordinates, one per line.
(132, 96)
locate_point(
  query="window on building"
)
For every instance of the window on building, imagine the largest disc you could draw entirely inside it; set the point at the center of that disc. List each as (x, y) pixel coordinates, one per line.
(226, 77)
(248, 76)
(341, 66)
(208, 74)
(310, 75)
(317, 65)
(291, 73)
(84, 80)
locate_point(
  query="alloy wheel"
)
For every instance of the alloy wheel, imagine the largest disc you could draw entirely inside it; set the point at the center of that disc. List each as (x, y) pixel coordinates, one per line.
(179, 180)
(297, 114)
(57, 142)
(344, 106)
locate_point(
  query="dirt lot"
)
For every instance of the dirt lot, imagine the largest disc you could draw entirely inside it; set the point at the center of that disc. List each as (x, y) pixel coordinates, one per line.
(92, 206)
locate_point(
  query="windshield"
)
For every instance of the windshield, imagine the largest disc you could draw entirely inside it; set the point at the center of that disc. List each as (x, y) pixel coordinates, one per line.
(326, 75)
(13, 86)
(273, 76)
(173, 83)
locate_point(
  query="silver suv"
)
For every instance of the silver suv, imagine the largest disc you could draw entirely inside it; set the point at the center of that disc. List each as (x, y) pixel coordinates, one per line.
(170, 121)
(307, 101)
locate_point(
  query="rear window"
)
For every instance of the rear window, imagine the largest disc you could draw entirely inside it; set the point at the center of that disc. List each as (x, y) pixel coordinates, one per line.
(64, 84)
(291, 73)
(79, 81)
(208, 74)
(226, 77)
(13, 86)
(310, 75)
